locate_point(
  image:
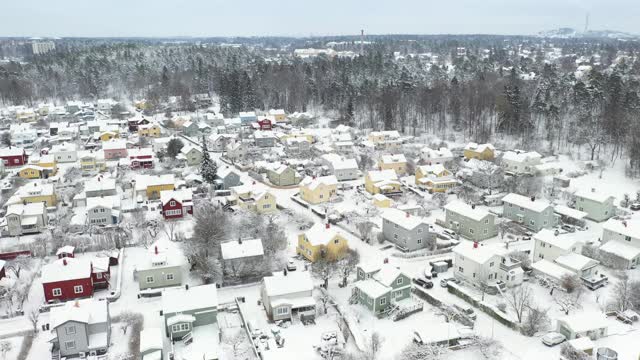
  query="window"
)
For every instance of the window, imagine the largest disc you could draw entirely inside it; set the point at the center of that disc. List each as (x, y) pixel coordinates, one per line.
(98, 275)
(78, 289)
(419, 241)
(266, 206)
(172, 203)
(628, 238)
(70, 345)
(180, 327)
(486, 221)
(395, 236)
(395, 226)
(16, 161)
(336, 241)
(460, 269)
(321, 196)
(57, 292)
(532, 222)
(149, 279)
(70, 330)
(399, 281)
(471, 231)
(419, 230)
(282, 310)
(491, 264)
(173, 212)
(485, 231)
(383, 301)
(169, 276)
(102, 210)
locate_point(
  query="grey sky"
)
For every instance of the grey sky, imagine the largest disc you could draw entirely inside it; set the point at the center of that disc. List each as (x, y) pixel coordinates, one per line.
(307, 17)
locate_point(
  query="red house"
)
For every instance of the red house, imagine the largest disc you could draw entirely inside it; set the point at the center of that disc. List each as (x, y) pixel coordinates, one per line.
(265, 124)
(175, 203)
(141, 158)
(134, 123)
(67, 279)
(66, 252)
(13, 156)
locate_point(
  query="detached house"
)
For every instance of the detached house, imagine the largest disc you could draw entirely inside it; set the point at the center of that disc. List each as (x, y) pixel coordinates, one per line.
(432, 157)
(13, 156)
(114, 149)
(92, 161)
(264, 139)
(322, 241)
(622, 240)
(67, 279)
(288, 294)
(598, 205)
(103, 210)
(382, 289)
(397, 162)
(521, 162)
(191, 155)
(470, 222)
(226, 178)
(435, 178)
(344, 169)
(260, 201)
(382, 182)
(479, 151)
(176, 203)
(532, 213)
(35, 192)
(489, 263)
(279, 115)
(161, 268)
(550, 246)
(150, 186)
(407, 232)
(22, 219)
(386, 140)
(81, 328)
(141, 158)
(65, 152)
(283, 175)
(149, 130)
(316, 190)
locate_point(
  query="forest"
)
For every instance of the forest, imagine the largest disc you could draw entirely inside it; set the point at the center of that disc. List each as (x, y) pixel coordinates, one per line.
(526, 89)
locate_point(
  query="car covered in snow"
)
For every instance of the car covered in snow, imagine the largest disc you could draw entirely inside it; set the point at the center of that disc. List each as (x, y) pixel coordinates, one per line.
(553, 338)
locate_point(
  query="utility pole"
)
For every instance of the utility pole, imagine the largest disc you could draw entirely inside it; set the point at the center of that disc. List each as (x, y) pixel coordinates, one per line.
(361, 42)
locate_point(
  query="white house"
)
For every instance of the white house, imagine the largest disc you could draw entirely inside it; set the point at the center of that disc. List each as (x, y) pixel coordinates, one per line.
(521, 162)
(440, 156)
(477, 262)
(343, 168)
(597, 204)
(285, 293)
(593, 325)
(622, 239)
(550, 246)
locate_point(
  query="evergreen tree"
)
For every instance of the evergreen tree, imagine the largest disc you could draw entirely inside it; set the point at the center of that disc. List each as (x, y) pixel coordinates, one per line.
(208, 167)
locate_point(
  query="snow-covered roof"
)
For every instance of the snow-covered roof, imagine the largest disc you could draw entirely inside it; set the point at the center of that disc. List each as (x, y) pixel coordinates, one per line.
(585, 321)
(630, 227)
(432, 169)
(380, 197)
(567, 211)
(68, 249)
(370, 266)
(29, 209)
(320, 234)
(386, 133)
(150, 339)
(382, 175)
(338, 162)
(177, 300)
(521, 157)
(393, 159)
(443, 152)
(388, 274)
(144, 181)
(549, 236)
(372, 288)
(87, 311)
(64, 147)
(114, 144)
(621, 249)
(313, 183)
(551, 269)
(11, 151)
(535, 205)
(403, 219)
(58, 271)
(294, 282)
(180, 318)
(100, 183)
(182, 196)
(575, 262)
(140, 152)
(166, 254)
(276, 112)
(466, 210)
(237, 249)
(593, 195)
(247, 114)
(109, 202)
(480, 254)
(478, 147)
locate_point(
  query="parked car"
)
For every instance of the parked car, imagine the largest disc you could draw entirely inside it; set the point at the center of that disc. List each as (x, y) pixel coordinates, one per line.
(450, 233)
(568, 228)
(635, 206)
(444, 282)
(423, 283)
(467, 310)
(553, 339)
(291, 266)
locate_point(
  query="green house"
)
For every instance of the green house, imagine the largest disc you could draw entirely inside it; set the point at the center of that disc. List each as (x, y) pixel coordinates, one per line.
(373, 295)
(186, 308)
(379, 289)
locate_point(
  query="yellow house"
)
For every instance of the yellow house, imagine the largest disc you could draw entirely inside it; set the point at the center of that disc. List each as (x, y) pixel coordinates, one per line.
(382, 182)
(299, 135)
(149, 130)
(397, 162)
(108, 135)
(91, 162)
(279, 115)
(435, 178)
(48, 162)
(259, 201)
(36, 192)
(387, 140)
(31, 171)
(381, 201)
(152, 185)
(479, 151)
(318, 190)
(322, 241)
(140, 104)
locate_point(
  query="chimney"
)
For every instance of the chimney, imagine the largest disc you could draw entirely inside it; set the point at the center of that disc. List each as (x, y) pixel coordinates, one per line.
(475, 244)
(240, 240)
(327, 226)
(473, 206)
(533, 198)
(186, 286)
(624, 222)
(64, 261)
(593, 190)
(156, 249)
(407, 214)
(284, 272)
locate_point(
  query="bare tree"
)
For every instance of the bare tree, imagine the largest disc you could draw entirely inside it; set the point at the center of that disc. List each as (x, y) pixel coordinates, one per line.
(237, 342)
(570, 282)
(33, 318)
(373, 346)
(347, 265)
(489, 348)
(324, 270)
(415, 351)
(566, 303)
(570, 353)
(622, 292)
(128, 319)
(519, 299)
(16, 265)
(365, 228)
(169, 228)
(203, 248)
(523, 257)
(537, 320)
(5, 347)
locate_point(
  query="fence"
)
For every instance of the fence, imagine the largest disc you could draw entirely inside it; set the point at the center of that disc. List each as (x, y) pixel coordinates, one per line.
(489, 310)
(14, 254)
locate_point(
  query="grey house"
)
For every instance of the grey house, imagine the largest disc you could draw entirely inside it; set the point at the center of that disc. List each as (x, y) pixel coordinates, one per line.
(598, 206)
(163, 268)
(264, 139)
(103, 210)
(532, 213)
(283, 175)
(408, 232)
(382, 289)
(191, 155)
(186, 308)
(80, 328)
(284, 294)
(469, 222)
(227, 178)
(100, 186)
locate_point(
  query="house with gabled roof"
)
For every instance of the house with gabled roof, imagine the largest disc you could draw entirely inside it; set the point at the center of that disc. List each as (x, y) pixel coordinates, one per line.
(162, 267)
(621, 239)
(386, 286)
(382, 182)
(322, 241)
(479, 151)
(441, 156)
(287, 294)
(407, 232)
(67, 279)
(22, 219)
(435, 178)
(192, 155)
(535, 214)
(176, 203)
(260, 201)
(81, 328)
(521, 162)
(470, 222)
(283, 175)
(396, 162)
(478, 263)
(316, 190)
(597, 204)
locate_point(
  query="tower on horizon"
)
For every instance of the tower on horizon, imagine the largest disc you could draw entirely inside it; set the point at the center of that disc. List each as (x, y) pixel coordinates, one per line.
(586, 23)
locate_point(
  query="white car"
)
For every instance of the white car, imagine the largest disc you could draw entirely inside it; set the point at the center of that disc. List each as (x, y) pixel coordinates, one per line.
(553, 338)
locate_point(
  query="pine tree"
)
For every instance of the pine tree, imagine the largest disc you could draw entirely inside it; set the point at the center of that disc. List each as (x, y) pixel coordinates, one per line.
(208, 167)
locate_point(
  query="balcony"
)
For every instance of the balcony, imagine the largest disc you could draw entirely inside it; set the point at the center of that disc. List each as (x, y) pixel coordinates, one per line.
(509, 264)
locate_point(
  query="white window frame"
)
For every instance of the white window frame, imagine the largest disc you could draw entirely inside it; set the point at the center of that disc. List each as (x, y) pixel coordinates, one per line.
(399, 281)
(152, 280)
(169, 277)
(70, 330)
(70, 345)
(57, 292)
(76, 287)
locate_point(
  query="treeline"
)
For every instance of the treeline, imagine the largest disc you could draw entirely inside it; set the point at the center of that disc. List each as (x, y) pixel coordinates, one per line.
(486, 94)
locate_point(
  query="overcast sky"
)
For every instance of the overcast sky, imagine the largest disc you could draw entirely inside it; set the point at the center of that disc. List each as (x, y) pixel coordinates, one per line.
(117, 18)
